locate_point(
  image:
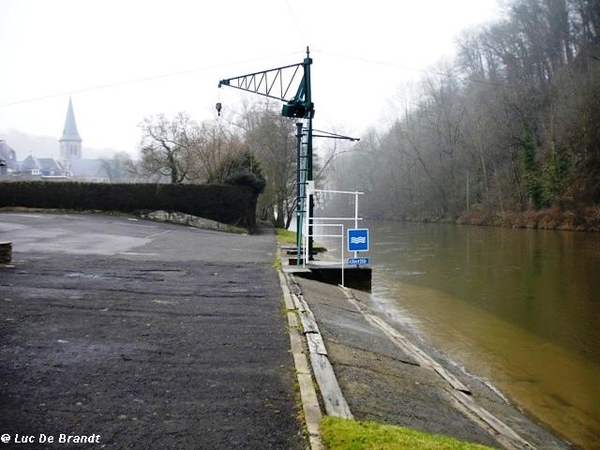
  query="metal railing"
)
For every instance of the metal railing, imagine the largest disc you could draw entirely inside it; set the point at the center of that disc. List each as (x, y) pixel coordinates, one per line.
(311, 222)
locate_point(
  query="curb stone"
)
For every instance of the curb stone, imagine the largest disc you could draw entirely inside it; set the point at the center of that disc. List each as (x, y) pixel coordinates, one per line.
(308, 394)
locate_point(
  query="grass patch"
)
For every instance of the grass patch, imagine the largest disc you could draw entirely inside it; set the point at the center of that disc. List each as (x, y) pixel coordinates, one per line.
(342, 434)
(286, 236)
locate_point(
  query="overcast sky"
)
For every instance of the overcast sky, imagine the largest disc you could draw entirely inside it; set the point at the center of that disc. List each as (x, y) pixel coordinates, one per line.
(121, 60)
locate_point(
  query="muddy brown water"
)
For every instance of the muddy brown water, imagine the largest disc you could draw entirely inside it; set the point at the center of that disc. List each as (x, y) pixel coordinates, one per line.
(519, 308)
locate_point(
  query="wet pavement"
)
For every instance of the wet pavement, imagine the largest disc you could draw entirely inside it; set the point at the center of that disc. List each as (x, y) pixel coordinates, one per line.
(134, 334)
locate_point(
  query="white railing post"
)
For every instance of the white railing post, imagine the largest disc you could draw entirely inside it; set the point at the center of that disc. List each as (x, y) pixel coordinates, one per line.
(343, 251)
(356, 215)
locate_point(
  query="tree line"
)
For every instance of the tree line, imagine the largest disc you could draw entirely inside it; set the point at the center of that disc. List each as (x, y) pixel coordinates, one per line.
(511, 125)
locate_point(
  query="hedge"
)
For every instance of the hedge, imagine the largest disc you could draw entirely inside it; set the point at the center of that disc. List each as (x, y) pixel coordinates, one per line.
(233, 205)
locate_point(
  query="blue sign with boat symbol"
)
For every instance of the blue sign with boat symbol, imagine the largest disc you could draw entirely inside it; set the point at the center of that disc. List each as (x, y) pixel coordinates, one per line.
(358, 239)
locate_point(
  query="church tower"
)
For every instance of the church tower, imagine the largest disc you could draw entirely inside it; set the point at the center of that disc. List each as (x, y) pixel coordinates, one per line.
(70, 142)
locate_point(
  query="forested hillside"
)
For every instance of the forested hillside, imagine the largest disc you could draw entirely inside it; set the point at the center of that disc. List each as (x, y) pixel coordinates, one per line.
(509, 133)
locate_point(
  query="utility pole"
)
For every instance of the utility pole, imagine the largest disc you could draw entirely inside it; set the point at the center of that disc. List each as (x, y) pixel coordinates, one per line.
(309, 150)
(299, 202)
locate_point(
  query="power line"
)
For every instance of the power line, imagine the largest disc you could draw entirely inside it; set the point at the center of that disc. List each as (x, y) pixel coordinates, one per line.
(377, 62)
(138, 80)
(298, 29)
(400, 66)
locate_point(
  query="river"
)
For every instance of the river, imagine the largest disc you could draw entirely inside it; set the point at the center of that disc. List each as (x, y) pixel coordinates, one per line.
(520, 308)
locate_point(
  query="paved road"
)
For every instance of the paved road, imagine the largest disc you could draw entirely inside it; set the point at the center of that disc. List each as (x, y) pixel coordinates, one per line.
(142, 335)
(129, 238)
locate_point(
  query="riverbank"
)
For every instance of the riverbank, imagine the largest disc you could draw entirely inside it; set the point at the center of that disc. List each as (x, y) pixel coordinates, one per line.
(389, 374)
(518, 307)
(585, 219)
(554, 218)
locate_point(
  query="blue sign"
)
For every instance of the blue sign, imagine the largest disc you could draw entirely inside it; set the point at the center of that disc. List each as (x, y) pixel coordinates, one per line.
(358, 239)
(358, 261)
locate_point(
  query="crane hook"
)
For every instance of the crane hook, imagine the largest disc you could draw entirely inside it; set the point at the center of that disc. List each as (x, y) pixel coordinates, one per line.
(218, 107)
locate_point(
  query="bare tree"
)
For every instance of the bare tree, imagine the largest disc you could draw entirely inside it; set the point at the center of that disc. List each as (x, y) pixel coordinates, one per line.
(167, 147)
(215, 144)
(272, 138)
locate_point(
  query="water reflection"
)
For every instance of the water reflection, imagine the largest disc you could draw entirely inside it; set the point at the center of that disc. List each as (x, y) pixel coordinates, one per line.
(519, 307)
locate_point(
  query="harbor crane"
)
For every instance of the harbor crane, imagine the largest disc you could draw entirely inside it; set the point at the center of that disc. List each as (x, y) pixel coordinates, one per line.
(278, 84)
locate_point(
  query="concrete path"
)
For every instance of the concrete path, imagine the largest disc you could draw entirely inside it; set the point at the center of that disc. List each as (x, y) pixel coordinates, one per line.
(132, 334)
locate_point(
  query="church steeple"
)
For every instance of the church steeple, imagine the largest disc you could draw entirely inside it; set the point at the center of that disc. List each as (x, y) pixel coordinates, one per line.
(70, 142)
